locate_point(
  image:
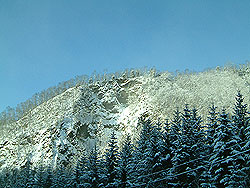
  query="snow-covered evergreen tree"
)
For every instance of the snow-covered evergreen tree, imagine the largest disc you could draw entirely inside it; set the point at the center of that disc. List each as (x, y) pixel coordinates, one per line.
(175, 129)
(246, 149)
(212, 124)
(111, 162)
(240, 117)
(5, 179)
(125, 163)
(14, 178)
(78, 172)
(151, 155)
(174, 135)
(199, 145)
(26, 174)
(48, 177)
(158, 156)
(224, 146)
(32, 180)
(60, 178)
(142, 156)
(189, 147)
(40, 176)
(165, 155)
(91, 176)
(240, 122)
(168, 144)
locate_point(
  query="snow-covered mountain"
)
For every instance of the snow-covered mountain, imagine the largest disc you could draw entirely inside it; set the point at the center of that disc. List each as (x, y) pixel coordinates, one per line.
(60, 129)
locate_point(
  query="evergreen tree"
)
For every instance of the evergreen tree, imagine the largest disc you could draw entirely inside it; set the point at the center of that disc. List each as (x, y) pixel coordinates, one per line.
(240, 117)
(240, 123)
(48, 177)
(78, 172)
(60, 179)
(189, 147)
(157, 155)
(210, 132)
(91, 177)
(165, 153)
(5, 179)
(211, 127)
(168, 145)
(26, 173)
(111, 160)
(175, 129)
(31, 181)
(143, 152)
(246, 149)
(198, 145)
(125, 162)
(14, 178)
(151, 154)
(158, 149)
(40, 176)
(224, 145)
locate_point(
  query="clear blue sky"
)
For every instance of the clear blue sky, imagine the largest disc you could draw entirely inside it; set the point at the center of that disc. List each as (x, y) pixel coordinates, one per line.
(44, 42)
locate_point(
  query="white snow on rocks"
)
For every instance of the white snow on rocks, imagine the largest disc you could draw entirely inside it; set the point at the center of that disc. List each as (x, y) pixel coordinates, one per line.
(59, 130)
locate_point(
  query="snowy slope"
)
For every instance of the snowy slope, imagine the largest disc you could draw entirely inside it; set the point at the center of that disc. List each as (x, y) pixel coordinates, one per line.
(33, 133)
(57, 131)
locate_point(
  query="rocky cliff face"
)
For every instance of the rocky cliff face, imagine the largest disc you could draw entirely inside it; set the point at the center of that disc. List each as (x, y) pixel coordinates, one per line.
(57, 131)
(60, 129)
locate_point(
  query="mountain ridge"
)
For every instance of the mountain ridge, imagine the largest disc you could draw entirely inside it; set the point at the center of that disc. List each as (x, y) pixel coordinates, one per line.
(60, 129)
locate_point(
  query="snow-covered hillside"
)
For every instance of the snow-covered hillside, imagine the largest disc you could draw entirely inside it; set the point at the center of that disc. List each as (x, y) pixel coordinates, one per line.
(58, 130)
